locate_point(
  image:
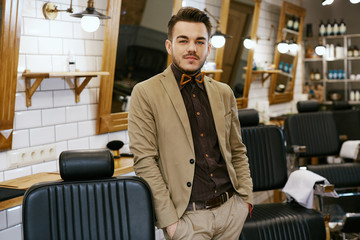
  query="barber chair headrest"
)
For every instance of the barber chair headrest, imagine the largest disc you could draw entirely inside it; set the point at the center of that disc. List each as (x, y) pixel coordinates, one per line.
(341, 105)
(248, 117)
(86, 164)
(308, 106)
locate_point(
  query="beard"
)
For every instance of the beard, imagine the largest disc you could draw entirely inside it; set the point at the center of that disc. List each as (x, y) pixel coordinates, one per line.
(191, 73)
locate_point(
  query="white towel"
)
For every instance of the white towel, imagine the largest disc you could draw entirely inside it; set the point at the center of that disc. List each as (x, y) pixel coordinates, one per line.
(350, 149)
(300, 186)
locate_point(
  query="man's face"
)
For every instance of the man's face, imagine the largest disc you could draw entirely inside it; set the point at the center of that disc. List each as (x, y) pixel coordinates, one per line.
(189, 46)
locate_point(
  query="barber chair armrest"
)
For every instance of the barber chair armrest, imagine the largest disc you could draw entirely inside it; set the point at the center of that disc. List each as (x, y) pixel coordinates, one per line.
(298, 148)
(343, 137)
(321, 188)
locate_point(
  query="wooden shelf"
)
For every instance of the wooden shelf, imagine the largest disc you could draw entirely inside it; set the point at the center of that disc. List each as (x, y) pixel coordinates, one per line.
(40, 76)
(265, 74)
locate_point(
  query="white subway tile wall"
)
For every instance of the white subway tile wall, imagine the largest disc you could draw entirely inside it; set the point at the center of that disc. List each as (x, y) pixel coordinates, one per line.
(54, 117)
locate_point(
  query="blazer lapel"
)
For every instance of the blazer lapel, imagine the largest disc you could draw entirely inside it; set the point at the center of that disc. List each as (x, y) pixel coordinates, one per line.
(171, 87)
(217, 109)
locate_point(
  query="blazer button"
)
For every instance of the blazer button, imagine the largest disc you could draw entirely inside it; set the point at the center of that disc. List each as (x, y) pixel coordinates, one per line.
(188, 184)
(192, 161)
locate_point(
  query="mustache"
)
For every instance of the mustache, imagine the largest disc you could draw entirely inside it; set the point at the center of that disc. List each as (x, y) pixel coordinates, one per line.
(191, 55)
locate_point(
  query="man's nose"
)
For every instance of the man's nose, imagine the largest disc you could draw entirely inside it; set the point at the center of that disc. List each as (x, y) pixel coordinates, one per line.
(192, 47)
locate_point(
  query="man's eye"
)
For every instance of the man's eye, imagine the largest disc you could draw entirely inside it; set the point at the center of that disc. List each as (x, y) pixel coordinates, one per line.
(183, 41)
(200, 42)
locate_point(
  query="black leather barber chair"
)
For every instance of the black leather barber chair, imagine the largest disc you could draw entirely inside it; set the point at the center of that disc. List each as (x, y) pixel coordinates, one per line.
(89, 203)
(266, 153)
(310, 133)
(141, 63)
(344, 212)
(347, 121)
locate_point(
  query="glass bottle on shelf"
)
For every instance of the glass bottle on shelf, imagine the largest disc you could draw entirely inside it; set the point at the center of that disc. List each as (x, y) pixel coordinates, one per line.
(335, 74)
(342, 27)
(290, 23)
(286, 68)
(330, 75)
(281, 66)
(317, 75)
(322, 29)
(336, 28)
(350, 52)
(329, 28)
(296, 24)
(355, 51)
(312, 75)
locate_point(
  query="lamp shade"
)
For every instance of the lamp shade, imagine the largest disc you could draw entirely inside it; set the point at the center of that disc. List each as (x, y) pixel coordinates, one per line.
(90, 19)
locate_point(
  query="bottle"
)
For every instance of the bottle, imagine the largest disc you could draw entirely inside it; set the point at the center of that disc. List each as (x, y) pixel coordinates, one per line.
(335, 28)
(330, 75)
(286, 68)
(291, 68)
(352, 96)
(350, 52)
(329, 28)
(317, 75)
(335, 74)
(342, 27)
(322, 29)
(290, 23)
(296, 24)
(355, 51)
(340, 74)
(312, 75)
(281, 66)
(72, 61)
(357, 95)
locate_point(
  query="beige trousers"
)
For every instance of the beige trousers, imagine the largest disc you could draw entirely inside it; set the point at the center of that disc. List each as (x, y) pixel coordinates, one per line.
(224, 222)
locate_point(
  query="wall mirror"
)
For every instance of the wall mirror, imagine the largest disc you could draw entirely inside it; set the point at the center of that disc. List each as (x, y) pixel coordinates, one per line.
(10, 19)
(109, 119)
(290, 31)
(243, 16)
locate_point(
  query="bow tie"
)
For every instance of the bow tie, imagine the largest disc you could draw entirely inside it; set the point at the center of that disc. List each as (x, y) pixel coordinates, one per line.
(186, 78)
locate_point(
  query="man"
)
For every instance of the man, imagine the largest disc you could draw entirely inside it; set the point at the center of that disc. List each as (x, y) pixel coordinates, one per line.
(185, 136)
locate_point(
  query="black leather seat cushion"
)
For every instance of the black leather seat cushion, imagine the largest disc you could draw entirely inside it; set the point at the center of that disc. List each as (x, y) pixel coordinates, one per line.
(116, 208)
(276, 221)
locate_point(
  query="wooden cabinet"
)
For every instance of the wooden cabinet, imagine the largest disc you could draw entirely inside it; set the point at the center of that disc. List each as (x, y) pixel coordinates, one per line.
(337, 72)
(282, 83)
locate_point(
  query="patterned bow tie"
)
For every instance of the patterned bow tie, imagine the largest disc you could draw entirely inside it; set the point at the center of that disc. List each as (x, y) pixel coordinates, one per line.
(186, 78)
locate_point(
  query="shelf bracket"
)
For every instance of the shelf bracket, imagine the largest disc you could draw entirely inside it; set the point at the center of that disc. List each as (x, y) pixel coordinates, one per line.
(30, 89)
(79, 89)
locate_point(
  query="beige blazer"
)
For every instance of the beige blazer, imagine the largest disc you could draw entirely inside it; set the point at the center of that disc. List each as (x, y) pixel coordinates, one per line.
(162, 144)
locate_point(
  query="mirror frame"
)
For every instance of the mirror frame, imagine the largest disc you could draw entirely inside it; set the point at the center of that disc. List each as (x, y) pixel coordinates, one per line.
(287, 96)
(9, 58)
(243, 102)
(110, 122)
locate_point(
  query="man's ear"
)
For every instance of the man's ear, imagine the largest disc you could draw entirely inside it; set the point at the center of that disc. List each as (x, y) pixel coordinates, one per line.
(168, 46)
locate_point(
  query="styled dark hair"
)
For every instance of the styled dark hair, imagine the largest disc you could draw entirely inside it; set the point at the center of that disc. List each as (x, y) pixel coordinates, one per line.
(189, 14)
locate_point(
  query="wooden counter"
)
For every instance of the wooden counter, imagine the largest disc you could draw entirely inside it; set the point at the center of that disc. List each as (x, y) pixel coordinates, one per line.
(126, 166)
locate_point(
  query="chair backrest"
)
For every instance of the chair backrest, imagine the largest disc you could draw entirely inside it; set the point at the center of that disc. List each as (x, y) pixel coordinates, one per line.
(343, 175)
(347, 120)
(315, 130)
(89, 203)
(144, 62)
(266, 153)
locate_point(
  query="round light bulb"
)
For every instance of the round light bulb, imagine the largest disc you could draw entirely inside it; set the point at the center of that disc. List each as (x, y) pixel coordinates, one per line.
(90, 23)
(293, 47)
(354, 1)
(320, 50)
(217, 41)
(248, 43)
(283, 47)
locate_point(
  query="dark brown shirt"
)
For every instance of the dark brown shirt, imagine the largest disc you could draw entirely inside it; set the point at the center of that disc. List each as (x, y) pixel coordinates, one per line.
(211, 177)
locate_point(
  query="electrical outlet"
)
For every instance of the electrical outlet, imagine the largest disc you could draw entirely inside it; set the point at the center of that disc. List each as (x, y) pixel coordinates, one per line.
(28, 156)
